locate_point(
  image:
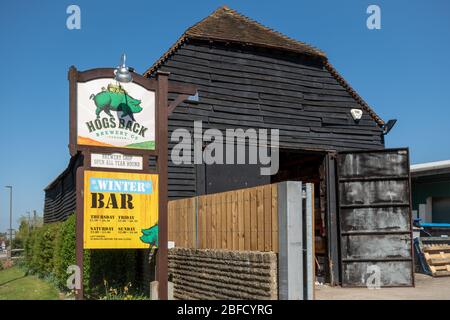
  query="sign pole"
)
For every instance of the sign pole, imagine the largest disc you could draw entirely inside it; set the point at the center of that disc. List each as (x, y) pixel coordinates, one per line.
(162, 163)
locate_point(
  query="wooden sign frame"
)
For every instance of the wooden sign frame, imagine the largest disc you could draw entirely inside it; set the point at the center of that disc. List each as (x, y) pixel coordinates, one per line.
(161, 86)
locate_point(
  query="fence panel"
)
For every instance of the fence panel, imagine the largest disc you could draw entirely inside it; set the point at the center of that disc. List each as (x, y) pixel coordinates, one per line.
(245, 219)
(183, 222)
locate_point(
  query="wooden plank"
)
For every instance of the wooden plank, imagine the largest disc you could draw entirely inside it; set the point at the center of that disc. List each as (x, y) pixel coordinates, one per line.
(176, 224)
(204, 222)
(234, 219)
(218, 221)
(170, 222)
(213, 222)
(260, 218)
(274, 217)
(440, 268)
(267, 217)
(429, 248)
(253, 221)
(188, 220)
(208, 222)
(439, 261)
(240, 199)
(191, 221)
(186, 223)
(193, 205)
(182, 224)
(229, 245)
(223, 203)
(176, 216)
(200, 226)
(440, 255)
(201, 221)
(332, 221)
(247, 225)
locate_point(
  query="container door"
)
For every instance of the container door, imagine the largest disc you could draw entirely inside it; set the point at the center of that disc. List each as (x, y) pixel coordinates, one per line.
(375, 218)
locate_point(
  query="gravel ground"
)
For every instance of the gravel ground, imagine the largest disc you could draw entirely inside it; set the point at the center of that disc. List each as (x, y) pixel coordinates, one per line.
(427, 288)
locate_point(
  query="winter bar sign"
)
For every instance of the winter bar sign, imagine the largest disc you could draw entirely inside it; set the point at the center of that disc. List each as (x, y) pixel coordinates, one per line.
(120, 210)
(112, 114)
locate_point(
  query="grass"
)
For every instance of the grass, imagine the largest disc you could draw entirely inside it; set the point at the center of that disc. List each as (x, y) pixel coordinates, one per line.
(150, 145)
(15, 285)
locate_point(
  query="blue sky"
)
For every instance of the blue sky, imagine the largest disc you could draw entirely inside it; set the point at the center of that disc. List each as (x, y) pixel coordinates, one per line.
(402, 70)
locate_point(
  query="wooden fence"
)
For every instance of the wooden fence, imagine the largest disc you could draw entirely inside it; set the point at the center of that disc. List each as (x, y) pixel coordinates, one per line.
(244, 219)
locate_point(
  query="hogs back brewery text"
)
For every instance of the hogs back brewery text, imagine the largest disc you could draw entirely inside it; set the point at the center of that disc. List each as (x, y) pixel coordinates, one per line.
(111, 123)
(112, 115)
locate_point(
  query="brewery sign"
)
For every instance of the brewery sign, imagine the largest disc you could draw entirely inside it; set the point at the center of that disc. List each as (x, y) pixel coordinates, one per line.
(116, 161)
(115, 115)
(118, 121)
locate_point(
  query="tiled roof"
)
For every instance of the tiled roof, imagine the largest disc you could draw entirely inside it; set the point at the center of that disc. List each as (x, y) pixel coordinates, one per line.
(227, 25)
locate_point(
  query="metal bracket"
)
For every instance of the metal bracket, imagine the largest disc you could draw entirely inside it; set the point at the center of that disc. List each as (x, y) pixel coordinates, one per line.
(177, 101)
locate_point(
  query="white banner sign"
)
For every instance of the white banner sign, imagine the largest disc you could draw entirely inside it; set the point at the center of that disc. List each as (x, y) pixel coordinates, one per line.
(116, 161)
(115, 115)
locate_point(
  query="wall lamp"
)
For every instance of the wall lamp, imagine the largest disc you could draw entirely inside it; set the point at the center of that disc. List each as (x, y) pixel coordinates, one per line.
(388, 126)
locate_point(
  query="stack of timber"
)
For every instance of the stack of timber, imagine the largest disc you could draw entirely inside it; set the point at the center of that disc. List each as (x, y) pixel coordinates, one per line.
(437, 257)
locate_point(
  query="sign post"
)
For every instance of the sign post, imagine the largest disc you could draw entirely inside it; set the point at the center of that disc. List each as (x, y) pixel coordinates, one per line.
(162, 272)
(121, 202)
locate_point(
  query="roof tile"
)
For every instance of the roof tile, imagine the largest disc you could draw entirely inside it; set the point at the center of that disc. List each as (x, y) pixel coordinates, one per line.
(227, 25)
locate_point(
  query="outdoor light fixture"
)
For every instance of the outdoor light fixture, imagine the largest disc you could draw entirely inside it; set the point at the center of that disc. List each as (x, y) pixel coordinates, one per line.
(389, 125)
(194, 98)
(122, 72)
(356, 114)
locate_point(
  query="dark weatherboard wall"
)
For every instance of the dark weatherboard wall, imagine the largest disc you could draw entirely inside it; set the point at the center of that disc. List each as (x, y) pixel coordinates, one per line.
(60, 194)
(247, 87)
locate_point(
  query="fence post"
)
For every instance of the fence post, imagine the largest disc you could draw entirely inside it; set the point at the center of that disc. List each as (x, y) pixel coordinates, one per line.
(290, 233)
(309, 241)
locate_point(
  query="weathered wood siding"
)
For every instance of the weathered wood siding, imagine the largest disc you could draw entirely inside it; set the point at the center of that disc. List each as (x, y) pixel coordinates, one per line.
(60, 195)
(249, 89)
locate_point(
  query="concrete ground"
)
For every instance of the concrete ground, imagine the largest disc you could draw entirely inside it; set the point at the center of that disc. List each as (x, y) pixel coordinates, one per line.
(427, 288)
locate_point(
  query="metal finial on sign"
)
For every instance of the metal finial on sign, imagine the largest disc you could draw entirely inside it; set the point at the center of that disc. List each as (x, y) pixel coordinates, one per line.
(122, 72)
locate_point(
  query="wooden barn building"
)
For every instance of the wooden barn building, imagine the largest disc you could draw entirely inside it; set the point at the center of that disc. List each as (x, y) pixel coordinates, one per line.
(250, 76)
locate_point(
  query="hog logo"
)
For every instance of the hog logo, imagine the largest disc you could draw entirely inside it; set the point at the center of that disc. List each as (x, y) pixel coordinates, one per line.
(115, 98)
(150, 235)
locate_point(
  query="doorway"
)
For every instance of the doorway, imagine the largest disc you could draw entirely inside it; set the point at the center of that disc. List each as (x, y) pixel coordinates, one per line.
(309, 167)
